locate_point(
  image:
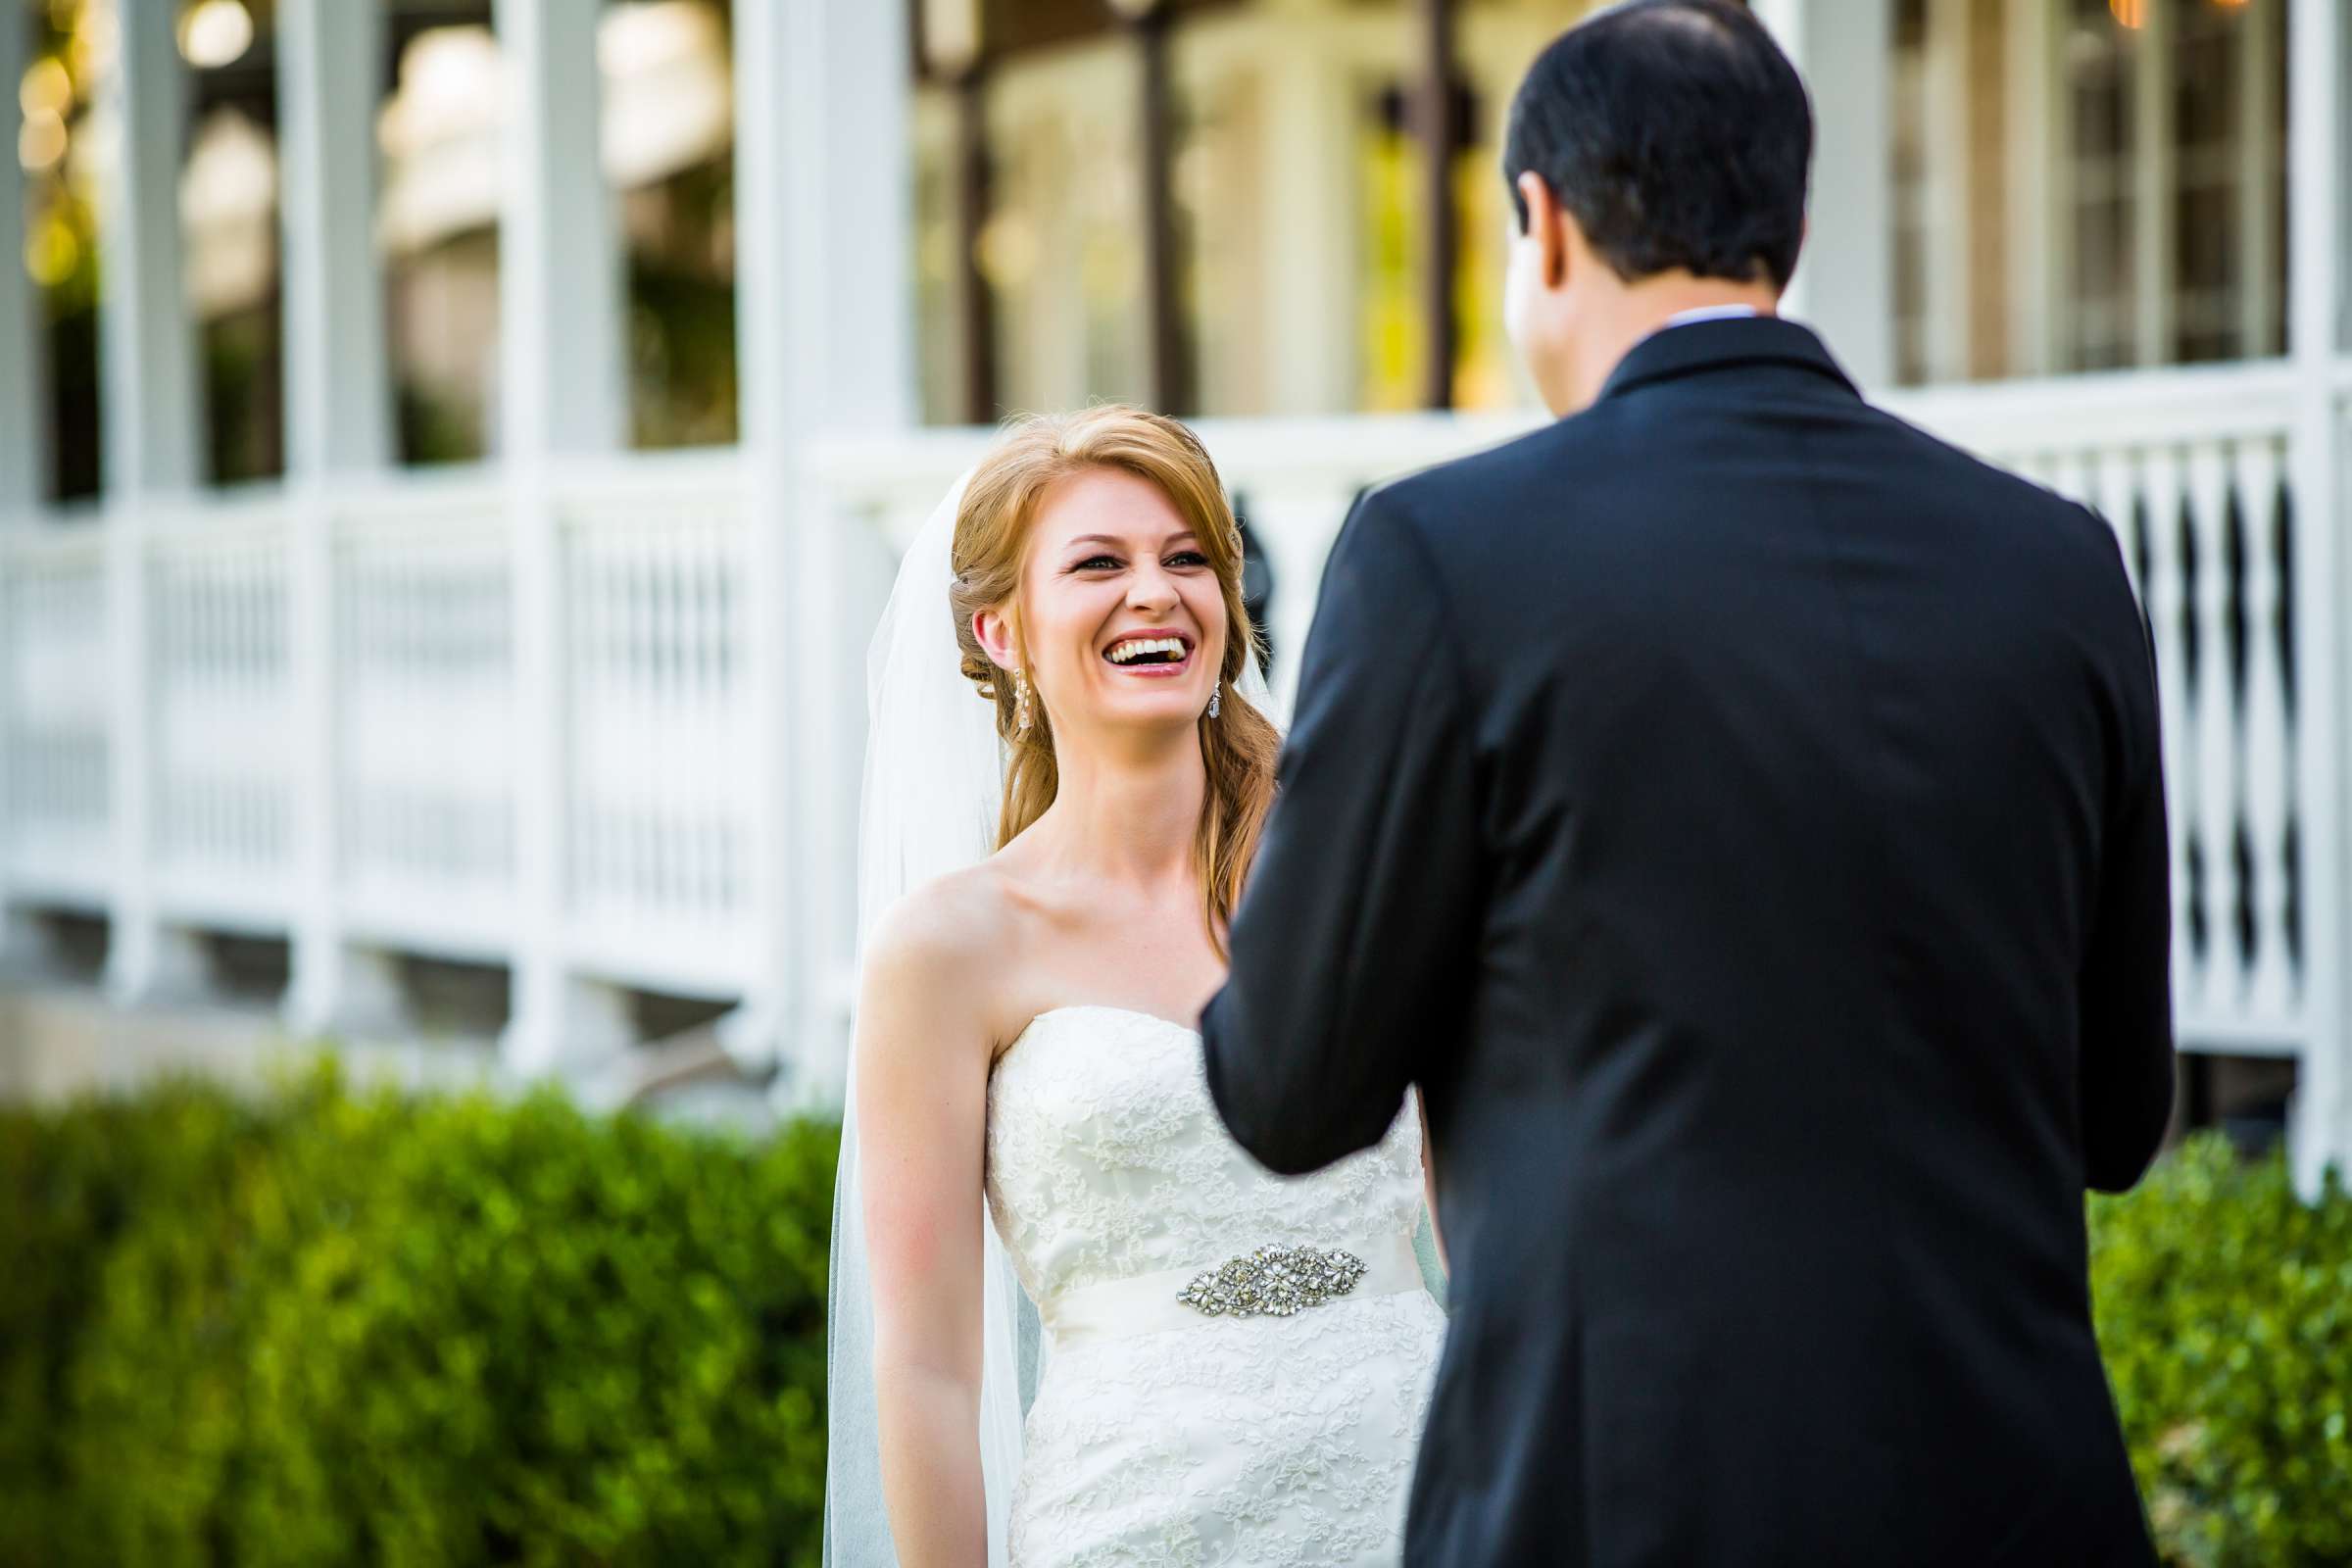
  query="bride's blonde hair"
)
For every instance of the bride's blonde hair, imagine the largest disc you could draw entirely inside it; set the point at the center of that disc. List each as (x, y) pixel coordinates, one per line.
(1239, 746)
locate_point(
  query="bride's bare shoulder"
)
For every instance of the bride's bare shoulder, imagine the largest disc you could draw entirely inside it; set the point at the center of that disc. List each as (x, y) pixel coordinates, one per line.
(934, 960)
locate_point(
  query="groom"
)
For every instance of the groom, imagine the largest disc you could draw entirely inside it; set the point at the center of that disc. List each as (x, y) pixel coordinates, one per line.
(1738, 814)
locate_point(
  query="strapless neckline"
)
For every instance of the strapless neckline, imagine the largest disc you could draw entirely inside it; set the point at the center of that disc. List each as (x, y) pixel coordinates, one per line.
(1097, 1008)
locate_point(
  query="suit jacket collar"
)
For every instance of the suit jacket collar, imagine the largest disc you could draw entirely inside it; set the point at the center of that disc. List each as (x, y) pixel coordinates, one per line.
(1699, 347)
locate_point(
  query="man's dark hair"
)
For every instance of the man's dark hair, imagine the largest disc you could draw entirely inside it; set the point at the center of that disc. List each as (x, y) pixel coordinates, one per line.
(1677, 136)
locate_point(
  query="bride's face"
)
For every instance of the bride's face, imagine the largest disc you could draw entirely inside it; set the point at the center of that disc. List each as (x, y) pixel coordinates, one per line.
(1122, 620)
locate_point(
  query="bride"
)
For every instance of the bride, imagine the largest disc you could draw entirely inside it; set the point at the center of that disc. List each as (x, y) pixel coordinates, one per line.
(1220, 1366)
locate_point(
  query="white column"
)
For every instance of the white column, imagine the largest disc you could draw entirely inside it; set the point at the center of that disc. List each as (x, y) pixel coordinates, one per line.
(2317, 43)
(2037, 235)
(150, 416)
(339, 390)
(1844, 283)
(824, 207)
(22, 389)
(1308, 217)
(561, 304)
(149, 425)
(338, 422)
(560, 393)
(23, 360)
(1949, 150)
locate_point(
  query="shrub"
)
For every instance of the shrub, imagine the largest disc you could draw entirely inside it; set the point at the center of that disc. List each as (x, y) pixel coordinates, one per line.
(337, 1328)
(2225, 1311)
(341, 1328)
(71, 1188)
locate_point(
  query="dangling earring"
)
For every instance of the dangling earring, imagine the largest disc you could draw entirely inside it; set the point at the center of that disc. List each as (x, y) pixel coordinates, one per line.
(1215, 693)
(1021, 690)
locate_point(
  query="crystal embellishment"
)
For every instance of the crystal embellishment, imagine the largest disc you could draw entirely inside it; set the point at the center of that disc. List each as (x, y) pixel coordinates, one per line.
(1273, 1282)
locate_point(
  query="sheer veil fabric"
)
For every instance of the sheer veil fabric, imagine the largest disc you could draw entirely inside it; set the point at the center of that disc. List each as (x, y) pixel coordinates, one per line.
(934, 781)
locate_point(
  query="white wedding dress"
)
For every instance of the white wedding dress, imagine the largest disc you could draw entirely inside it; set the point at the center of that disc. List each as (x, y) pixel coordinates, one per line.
(1161, 1434)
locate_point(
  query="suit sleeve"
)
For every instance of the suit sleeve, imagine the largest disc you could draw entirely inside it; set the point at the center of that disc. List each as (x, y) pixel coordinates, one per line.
(2127, 1005)
(1353, 941)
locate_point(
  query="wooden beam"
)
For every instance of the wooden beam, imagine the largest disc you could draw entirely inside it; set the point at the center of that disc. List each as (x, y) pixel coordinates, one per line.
(2156, 189)
(977, 304)
(1163, 303)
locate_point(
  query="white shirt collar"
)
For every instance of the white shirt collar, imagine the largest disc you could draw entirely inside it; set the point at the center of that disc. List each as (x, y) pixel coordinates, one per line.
(1710, 312)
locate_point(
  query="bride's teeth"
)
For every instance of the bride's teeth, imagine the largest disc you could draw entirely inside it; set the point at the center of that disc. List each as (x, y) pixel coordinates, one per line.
(1127, 652)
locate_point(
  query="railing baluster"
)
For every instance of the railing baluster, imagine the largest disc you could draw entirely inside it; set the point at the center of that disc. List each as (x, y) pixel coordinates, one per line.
(2266, 784)
(2115, 498)
(2074, 476)
(2166, 591)
(2216, 760)
(673, 796)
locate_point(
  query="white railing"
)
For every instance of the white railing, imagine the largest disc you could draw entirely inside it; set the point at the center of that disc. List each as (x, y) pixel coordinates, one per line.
(2192, 471)
(660, 779)
(219, 681)
(57, 832)
(659, 730)
(424, 717)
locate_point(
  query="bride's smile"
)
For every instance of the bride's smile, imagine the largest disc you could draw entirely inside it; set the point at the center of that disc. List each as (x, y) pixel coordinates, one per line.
(1158, 656)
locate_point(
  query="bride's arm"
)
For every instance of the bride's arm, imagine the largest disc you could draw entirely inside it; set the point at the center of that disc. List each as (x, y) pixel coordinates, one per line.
(922, 1083)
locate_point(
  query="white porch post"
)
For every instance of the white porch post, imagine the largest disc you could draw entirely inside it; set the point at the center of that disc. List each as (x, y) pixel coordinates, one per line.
(338, 391)
(149, 426)
(2037, 229)
(338, 422)
(22, 447)
(2319, 60)
(24, 403)
(1949, 150)
(1844, 282)
(823, 213)
(560, 393)
(152, 416)
(1309, 198)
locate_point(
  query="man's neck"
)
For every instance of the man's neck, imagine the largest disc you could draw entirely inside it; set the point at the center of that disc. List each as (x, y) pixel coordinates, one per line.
(1651, 305)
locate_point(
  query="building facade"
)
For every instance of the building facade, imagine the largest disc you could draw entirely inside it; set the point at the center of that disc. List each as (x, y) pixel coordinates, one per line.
(440, 527)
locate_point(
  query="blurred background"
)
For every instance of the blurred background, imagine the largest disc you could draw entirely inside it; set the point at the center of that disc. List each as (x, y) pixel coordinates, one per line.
(452, 454)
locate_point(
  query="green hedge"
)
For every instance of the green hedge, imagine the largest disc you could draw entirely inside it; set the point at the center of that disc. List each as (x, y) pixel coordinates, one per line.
(2225, 1307)
(337, 1328)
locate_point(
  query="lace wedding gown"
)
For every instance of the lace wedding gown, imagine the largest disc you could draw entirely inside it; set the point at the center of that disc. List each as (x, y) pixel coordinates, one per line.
(1162, 1432)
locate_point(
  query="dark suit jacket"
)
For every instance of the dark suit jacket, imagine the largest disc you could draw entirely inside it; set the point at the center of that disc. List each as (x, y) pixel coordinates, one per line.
(1739, 814)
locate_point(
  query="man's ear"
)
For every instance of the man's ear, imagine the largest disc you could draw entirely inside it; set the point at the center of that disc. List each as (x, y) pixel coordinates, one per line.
(995, 632)
(1544, 221)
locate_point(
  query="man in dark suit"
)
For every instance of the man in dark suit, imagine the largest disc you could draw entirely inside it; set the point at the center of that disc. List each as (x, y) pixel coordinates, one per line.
(1738, 814)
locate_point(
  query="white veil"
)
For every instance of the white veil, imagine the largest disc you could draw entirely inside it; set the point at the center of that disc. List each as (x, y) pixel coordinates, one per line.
(934, 779)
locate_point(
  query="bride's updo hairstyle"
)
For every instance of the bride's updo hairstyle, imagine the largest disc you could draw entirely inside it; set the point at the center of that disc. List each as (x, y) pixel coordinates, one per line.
(991, 543)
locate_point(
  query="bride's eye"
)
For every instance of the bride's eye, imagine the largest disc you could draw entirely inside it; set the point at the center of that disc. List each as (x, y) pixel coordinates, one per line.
(1188, 558)
(1096, 563)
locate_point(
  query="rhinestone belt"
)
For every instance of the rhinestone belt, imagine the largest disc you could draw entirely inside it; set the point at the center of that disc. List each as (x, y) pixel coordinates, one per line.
(1273, 1282)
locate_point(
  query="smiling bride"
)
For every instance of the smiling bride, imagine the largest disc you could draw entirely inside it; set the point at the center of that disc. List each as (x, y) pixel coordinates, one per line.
(1233, 1368)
